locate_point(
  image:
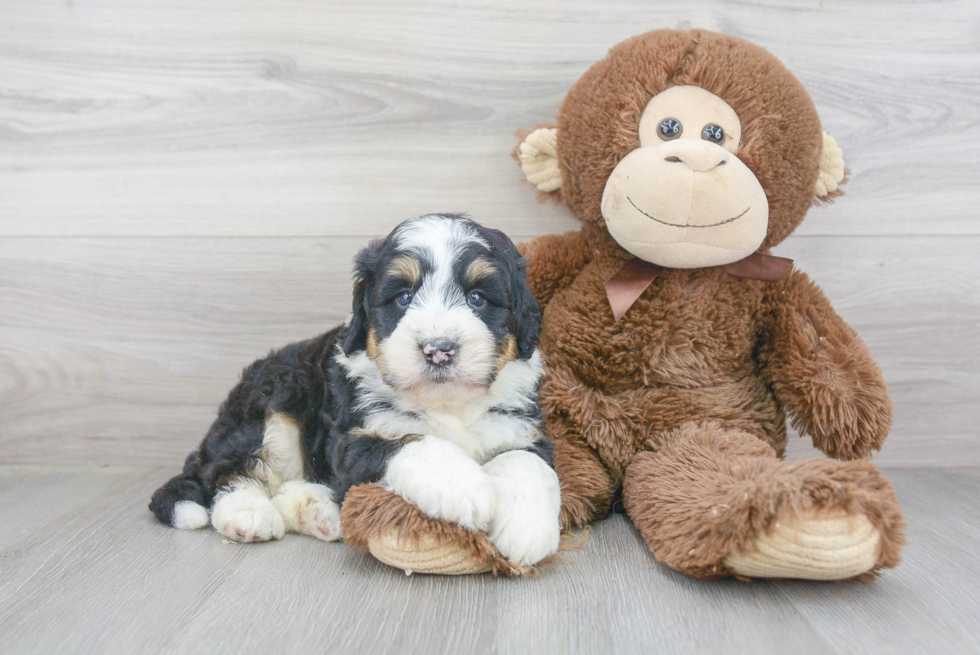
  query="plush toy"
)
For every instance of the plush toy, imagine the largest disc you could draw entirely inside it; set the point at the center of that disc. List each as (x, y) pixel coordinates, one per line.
(676, 344)
(399, 534)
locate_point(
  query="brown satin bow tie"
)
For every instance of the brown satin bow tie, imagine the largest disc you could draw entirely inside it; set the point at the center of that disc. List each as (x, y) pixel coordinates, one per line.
(632, 280)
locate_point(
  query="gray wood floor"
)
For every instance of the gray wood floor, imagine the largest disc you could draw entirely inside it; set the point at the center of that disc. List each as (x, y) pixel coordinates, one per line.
(183, 186)
(85, 568)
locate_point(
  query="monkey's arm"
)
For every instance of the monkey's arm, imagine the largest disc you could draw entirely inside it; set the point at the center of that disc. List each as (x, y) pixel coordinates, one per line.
(822, 372)
(554, 261)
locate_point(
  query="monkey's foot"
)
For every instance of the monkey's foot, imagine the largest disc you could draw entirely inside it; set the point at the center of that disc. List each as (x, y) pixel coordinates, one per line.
(714, 501)
(818, 546)
(399, 534)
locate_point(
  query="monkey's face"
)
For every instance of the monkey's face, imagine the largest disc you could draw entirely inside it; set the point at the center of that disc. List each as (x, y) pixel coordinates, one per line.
(683, 199)
(691, 148)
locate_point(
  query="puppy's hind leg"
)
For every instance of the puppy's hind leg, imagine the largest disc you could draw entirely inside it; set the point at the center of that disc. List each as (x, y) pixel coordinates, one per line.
(244, 513)
(305, 507)
(308, 508)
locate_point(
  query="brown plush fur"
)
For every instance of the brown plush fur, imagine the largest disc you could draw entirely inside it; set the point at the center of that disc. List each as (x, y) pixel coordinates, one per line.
(684, 399)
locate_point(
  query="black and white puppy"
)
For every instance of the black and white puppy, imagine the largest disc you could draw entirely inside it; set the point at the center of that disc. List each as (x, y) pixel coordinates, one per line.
(430, 389)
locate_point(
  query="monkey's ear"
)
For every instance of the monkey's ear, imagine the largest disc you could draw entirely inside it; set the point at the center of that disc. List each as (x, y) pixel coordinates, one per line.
(832, 170)
(538, 155)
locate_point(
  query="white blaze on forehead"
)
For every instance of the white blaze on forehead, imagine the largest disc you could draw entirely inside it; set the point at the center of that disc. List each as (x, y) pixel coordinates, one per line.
(439, 307)
(439, 240)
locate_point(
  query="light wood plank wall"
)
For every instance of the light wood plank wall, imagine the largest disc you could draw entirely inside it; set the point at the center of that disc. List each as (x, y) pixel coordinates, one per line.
(183, 186)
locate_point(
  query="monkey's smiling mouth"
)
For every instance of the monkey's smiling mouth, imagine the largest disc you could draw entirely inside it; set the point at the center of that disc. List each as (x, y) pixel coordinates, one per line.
(729, 220)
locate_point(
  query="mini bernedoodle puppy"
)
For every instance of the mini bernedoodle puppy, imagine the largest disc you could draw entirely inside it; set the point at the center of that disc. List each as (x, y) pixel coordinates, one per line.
(430, 388)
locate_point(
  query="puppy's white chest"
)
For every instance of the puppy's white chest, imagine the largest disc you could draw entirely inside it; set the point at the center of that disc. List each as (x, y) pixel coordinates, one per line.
(481, 434)
(443, 424)
(488, 434)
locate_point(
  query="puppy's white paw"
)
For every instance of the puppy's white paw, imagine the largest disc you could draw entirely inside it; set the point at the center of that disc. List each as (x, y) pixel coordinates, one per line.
(246, 515)
(308, 508)
(188, 515)
(528, 498)
(441, 480)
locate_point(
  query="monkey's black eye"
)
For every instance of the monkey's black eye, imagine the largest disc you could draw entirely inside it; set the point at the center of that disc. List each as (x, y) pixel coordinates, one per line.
(405, 299)
(476, 300)
(669, 128)
(713, 133)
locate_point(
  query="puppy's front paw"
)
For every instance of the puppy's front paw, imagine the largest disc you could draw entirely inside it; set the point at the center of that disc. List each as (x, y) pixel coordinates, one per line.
(246, 515)
(442, 481)
(308, 508)
(528, 497)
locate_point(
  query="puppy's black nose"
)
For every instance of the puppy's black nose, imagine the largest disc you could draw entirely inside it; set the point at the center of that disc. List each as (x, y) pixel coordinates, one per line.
(439, 352)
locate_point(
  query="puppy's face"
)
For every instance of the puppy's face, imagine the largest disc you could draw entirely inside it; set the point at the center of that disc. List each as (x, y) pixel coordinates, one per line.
(441, 306)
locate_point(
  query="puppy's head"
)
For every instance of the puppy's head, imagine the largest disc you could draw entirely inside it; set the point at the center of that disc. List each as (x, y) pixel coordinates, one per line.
(441, 306)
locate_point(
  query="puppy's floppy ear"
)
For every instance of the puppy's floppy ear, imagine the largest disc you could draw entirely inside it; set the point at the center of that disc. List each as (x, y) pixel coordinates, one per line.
(525, 308)
(365, 266)
(523, 305)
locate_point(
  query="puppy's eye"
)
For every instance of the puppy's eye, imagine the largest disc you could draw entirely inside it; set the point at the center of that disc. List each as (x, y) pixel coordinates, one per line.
(476, 300)
(405, 299)
(669, 128)
(713, 133)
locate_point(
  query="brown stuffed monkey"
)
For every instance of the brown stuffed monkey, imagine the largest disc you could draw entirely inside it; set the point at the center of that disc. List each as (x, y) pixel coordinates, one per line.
(676, 345)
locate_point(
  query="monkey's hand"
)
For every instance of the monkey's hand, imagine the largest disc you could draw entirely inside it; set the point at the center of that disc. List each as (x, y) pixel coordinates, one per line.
(553, 263)
(822, 371)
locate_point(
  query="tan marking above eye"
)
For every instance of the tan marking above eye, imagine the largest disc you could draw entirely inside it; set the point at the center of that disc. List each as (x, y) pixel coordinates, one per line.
(480, 269)
(407, 268)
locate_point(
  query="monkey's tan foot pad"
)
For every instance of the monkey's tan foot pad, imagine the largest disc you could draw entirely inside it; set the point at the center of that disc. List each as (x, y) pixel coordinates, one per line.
(425, 554)
(818, 546)
(400, 535)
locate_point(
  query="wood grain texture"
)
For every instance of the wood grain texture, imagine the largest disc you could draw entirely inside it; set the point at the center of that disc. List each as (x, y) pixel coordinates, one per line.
(119, 350)
(99, 574)
(182, 187)
(303, 117)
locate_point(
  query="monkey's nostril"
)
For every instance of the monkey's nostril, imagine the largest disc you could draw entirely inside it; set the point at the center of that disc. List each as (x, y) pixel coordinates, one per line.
(672, 159)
